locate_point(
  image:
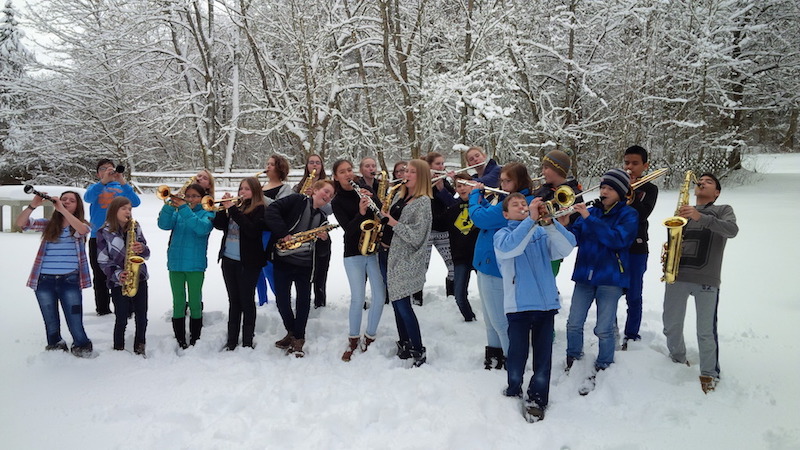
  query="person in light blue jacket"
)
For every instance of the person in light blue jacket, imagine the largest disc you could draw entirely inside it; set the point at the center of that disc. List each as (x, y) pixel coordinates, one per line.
(186, 259)
(524, 252)
(489, 218)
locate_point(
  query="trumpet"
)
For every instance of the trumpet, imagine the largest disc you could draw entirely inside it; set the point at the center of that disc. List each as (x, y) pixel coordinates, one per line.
(163, 193)
(208, 202)
(30, 190)
(485, 188)
(474, 166)
(568, 210)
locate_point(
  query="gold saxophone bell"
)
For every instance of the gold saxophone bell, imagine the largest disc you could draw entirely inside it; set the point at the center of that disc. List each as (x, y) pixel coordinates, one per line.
(673, 248)
(132, 262)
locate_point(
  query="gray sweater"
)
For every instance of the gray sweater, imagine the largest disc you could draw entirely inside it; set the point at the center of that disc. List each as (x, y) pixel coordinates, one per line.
(704, 243)
(408, 255)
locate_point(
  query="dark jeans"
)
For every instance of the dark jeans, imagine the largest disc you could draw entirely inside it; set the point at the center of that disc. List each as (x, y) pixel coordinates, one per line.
(122, 310)
(320, 280)
(534, 329)
(66, 290)
(637, 268)
(285, 275)
(461, 275)
(102, 294)
(407, 323)
(240, 282)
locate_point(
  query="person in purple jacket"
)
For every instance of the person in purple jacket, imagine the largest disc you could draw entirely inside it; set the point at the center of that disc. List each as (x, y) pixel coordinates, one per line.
(112, 242)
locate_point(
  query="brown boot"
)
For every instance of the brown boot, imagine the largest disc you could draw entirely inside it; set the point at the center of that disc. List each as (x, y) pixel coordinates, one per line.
(707, 383)
(296, 348)
(367, 341)
(285, 343)
(351, 348)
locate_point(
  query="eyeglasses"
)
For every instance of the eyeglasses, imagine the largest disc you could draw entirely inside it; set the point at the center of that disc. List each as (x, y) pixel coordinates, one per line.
(193, 196)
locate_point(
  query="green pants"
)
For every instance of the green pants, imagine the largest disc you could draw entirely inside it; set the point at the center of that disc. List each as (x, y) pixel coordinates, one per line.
(181, 282)
(556, 265)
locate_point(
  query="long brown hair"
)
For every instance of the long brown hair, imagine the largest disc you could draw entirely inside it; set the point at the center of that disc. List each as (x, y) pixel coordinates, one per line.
(53, 228)
(111, 214)
(518, 173)
(321, 175)
(211, 183)
(258, 197)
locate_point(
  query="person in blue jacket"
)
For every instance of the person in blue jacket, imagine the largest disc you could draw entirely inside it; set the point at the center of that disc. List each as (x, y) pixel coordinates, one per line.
(489, 218)
(487, 174)
(186, 259)
(604, 234)
(112, 184)
(524, 250)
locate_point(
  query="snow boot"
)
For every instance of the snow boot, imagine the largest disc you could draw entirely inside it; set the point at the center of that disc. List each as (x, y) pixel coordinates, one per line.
(139, 349)
(285, 343)
(417, 298)
(403, 349)
(179, 327)
(85, 351)
(61, 345)
(419, 356)
(297, 348)
(532, 412)
(366, 343)
(708, 384)
(496, 354)
(449, 287)
(195, 328)
(352, 346)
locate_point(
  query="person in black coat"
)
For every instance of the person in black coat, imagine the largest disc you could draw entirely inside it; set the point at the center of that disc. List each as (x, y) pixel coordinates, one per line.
(242, 255)
(286, 217)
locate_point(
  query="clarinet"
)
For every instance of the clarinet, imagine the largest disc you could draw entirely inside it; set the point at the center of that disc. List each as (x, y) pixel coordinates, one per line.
(372, 206)
(30, 190)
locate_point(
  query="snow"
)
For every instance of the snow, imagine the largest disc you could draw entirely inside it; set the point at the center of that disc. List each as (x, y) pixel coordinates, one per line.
(262, 399)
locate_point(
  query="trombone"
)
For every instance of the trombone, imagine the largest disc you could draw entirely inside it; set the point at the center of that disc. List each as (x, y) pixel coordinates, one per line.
(209, 203)
(645, 179)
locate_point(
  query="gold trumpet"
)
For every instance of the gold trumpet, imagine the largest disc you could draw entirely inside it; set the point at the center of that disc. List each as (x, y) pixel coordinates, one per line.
(163, 193)
(208, 203)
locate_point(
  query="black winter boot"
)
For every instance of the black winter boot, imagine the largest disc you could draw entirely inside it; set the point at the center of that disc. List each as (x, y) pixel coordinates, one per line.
(495, 353)
(501, 359)
(419, 357)
(487, 361)
(403, 349)
(195, 328)
(417, 298)
(179, 327)
(449, 287)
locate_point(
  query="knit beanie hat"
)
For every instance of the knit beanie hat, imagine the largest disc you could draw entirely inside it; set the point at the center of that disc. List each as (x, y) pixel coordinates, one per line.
(618, 180)
(557, 160)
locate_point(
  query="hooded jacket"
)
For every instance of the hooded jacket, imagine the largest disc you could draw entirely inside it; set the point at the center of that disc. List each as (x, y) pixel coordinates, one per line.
(188, 243)
(603, 242)
(488, 218)
(524, 251)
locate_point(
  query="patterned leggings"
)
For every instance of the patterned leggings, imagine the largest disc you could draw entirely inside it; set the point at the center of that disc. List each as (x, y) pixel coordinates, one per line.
(441, 240)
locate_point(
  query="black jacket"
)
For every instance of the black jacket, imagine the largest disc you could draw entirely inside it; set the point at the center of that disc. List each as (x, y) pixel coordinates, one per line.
(644, 201)
(442, 199)
(462, 246)
(345, 209)
(251, 225)
(283, 215)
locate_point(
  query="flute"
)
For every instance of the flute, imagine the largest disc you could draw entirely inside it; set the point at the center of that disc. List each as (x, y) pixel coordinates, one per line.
(442, 177)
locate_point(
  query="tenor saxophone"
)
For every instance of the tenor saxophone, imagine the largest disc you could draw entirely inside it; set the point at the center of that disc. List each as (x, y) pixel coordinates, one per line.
(671, 253)
(132, 263)
(301, 238)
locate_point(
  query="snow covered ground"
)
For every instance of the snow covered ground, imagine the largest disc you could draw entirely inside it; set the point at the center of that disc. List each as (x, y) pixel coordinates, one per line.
(262, 399)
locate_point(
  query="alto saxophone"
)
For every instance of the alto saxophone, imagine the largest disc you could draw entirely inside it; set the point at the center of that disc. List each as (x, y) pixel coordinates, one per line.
(132, 262)
(671, 253)
(301, 238)
(372, 229)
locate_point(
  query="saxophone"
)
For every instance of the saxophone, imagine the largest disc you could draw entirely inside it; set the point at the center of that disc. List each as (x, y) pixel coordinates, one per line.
(132, 263)
(671, 253)
(309, 181)
(301, 238)
(372, 229)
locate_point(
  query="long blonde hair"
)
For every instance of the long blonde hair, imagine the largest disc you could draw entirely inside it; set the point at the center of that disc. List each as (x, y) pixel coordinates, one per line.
(424, 187)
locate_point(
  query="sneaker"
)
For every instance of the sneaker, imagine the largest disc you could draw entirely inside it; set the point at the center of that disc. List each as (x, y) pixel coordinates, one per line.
(61, 345)
(286, 342)
(517, 395)
(532, 412)
(83, 352)
(708, 384)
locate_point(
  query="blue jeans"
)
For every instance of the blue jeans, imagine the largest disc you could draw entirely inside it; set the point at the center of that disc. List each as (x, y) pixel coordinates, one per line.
(637, 268)
(607, 298)
(360, 268)
(64, 289)
(266, 276)
(491, 290)
(534, 329)
(285, 275)
(122, 309)
(407, 323)
(461, 275)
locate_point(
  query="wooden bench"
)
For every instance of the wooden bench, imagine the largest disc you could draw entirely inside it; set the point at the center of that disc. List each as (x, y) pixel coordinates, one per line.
(14, 199)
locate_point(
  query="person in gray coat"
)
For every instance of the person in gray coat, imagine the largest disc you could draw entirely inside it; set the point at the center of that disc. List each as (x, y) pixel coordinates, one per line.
(704, 238)
(410, 220)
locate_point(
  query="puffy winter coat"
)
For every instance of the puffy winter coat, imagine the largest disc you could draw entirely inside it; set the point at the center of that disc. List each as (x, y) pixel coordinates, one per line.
(188, 243)
(489, 218)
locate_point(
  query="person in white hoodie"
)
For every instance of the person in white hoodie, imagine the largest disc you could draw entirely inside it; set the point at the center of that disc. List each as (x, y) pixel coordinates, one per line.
(524, 250)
